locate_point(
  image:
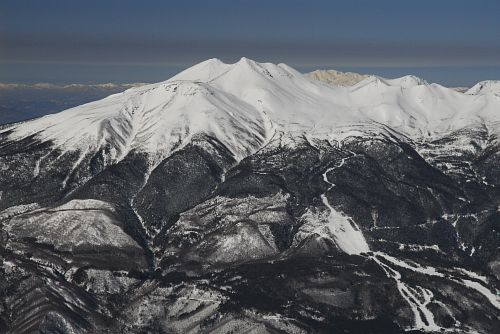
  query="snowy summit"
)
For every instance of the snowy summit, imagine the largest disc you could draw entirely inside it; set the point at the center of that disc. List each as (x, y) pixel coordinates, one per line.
(244, 104)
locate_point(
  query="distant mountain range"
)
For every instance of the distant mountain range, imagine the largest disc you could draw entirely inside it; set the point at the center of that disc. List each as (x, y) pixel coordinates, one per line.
(249, 197)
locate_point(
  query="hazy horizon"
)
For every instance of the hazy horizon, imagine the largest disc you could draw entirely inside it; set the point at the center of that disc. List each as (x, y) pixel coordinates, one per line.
(451, 76)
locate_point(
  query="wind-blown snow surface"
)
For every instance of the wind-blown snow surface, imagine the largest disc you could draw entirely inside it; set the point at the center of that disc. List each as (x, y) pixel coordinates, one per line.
(243, 104)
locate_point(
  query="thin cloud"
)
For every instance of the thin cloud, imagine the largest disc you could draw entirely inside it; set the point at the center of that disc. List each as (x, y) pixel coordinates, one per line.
(299, 53)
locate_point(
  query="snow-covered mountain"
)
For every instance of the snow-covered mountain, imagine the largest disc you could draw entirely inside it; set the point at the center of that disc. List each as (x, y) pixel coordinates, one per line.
(245, 103)
(248, 196)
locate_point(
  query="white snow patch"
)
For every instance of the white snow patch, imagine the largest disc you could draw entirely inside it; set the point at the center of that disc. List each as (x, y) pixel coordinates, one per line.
(346, 234)
(494, 299)
(76, 225)
(424, 319)
(431, 271)
(335, 226)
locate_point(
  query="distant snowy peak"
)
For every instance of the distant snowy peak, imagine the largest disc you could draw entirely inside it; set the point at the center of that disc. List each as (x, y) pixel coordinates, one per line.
(214, 69)
(408, 81)
(485, 87)
(204, 71)
(337, 78)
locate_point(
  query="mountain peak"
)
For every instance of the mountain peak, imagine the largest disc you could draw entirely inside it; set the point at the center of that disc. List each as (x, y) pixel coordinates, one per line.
(407, 81)
(485, 87)
(203, 71)
(245, 60)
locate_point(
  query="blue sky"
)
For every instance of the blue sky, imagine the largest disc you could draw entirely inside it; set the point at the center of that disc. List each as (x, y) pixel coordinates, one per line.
(452, 42)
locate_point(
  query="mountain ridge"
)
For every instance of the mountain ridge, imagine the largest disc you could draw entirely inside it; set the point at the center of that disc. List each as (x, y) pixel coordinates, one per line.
(274, 94)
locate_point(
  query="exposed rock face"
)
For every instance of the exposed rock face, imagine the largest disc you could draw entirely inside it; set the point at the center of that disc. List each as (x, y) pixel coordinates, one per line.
(364, 231)
(337, 78)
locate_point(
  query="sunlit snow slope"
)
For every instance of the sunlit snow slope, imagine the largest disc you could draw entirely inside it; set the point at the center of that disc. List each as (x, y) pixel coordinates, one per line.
(245, 103)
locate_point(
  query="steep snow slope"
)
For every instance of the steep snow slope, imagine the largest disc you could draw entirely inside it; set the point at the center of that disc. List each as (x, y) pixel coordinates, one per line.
(245, 103)
(485, 87)
(155, 119)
